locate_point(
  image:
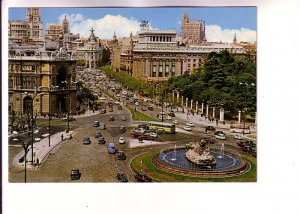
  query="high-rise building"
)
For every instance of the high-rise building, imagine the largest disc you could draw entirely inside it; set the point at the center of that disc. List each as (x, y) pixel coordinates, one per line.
(18, 32)
(192, 31)
(33, 18)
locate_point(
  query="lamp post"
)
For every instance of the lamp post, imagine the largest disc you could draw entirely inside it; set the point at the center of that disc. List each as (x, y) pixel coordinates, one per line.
(32, 98)
(25, 147)
(68, 111)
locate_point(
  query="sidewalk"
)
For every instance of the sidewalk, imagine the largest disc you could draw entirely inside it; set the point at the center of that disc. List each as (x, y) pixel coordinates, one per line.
(41, 149)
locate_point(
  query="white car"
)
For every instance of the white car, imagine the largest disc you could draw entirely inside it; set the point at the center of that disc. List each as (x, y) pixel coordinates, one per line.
(124, 92)
(238, 136)
(187, 128)
(190, 124)
(153, 134)
(169, 117)
(121, 140)
(220, 136)
(175, 122)
(136, 103)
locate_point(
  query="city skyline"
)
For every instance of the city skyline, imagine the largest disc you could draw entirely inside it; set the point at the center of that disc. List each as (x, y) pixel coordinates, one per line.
(221, 22)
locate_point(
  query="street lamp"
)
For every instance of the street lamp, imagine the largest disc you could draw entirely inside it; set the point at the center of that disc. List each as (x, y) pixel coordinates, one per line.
(32, 98)
(25, 147)
(69, 103)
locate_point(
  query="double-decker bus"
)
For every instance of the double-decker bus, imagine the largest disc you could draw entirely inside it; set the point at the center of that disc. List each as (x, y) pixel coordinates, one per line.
(165, 127)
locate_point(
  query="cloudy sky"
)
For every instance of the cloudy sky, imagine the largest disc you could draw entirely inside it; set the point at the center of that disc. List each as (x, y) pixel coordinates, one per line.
(221, 22)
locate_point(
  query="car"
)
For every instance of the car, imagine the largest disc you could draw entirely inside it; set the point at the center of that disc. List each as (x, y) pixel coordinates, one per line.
(187, 128)
(121, 155)
(86, 141)
(111, 148)
(246, 143)
(150, 108)
(238, 136)
(124, 92)
(210, 128)
(103, 111)
(118, 95)
(175, 122)
(122, 177)
(111, 118)
(220, 135)
(121, 140)
(171, 114)
(189, 123)
(123, 118)
(102, 126)
(111, 109)
(68, 136)
(144, 109)
(136, 103)
(169, 117)
(65, 119)
(153, 134)
(96, 124)
(122, 129)
(101, 140)
(98, 134)
(75, 174)
(143, 125)
(120, 107)
(142, 177)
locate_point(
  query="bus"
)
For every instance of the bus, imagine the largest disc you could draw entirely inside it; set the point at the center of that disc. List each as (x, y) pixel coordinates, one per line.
(239, 128)
(165, 127)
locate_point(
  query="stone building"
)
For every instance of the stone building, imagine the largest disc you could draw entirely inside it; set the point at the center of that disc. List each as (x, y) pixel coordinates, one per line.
(88, 50)
(40, 80)
(27, 32)
(192, 31)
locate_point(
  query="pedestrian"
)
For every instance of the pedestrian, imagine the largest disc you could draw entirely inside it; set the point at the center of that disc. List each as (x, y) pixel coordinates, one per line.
(62, 137)
(217, 121)
(37, 161)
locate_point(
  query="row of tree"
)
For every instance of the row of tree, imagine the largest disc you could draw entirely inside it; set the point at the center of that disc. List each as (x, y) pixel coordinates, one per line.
(225, 81)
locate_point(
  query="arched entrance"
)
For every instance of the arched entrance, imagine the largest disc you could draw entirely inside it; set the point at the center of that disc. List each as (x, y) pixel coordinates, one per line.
(61, 103)
(61, 77)
(27, 105)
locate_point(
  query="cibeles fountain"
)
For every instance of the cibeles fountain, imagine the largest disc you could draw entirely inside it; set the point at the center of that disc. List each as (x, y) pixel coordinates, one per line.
(199, 154)
(201, 158)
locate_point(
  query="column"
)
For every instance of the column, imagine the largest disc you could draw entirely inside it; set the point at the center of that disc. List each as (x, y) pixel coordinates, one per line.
(182, 101)
(186, 102)
(239, 119)
(173, 96)
(214, 108)
(207, 110)
(221, 115)
(196, 106)
(202, 108)
(191, 104)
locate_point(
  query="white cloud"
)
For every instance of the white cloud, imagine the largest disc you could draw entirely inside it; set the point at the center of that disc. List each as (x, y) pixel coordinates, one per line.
(104, 27)
(215, 33)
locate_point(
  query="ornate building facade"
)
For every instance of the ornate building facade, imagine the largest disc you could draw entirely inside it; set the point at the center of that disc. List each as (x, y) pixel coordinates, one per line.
(42, 82)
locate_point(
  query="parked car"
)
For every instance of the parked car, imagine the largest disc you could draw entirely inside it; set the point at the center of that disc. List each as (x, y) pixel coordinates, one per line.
(103, 111)
(171, 114)
(98, 134)
(111, 148)
(121, 155)
(150, 108)
(65, 119)
(142, 177)
(86, 141)
(101, 140)
(123, 118)
(189, 123)
(75, 174)
(96, 124)
(111, 118)
(68, 136)
(136, 103)
(238, 136)
(121, 140)
(187, 128)
(220, 135)
(210, 128)
(169, 117)
(122, 177)
(153, 134)
(102, 126)
(175, 122)
(122, 129)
